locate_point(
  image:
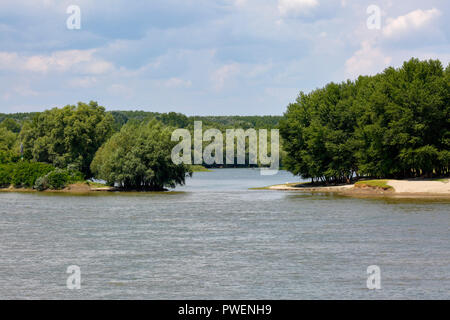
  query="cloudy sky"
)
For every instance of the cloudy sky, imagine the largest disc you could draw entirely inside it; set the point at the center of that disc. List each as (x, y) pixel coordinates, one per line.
(204, 57)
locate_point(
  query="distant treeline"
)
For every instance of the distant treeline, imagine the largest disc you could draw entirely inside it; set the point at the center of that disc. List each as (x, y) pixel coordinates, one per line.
(391, 125)
(173, 119)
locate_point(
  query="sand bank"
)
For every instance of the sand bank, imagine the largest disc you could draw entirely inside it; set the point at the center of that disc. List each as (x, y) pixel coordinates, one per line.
(411, 188)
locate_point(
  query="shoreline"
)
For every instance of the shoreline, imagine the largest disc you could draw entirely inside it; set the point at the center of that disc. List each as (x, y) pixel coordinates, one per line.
(72, 188)
(394, 188)
(85, 189)
(391, 188)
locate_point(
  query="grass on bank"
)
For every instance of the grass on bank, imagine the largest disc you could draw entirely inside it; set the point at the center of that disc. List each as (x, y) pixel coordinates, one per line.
(93, 184)
(382, 184)
(199, 168)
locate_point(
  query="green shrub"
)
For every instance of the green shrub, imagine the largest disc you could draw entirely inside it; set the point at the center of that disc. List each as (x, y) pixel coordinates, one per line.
(58, 179)
(25, 174)
(5, 156)
(41, 184)
(5, 175)
(75, 175)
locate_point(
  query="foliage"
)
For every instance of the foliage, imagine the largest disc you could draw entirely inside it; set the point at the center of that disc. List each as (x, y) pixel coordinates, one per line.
(41, 184)
(10, 125)
(395, 124)
(5, 175)
(57, 179)
(139, 158)
(18, 117)
(67, 136)
(8, 141)
(48, 142)
(23, 173)
(179, 120)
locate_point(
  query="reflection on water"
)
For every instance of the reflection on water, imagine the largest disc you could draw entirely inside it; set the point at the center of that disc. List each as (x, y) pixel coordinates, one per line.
(214, 238)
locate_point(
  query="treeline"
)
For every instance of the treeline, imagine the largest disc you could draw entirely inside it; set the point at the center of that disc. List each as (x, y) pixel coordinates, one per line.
(65, 145)
(17, 117)
(53, 148)
(128, 149)
(47, 147)
(391, 125)
(173, 119)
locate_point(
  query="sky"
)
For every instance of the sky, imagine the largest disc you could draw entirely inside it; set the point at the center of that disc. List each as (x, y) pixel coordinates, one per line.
(205, 57)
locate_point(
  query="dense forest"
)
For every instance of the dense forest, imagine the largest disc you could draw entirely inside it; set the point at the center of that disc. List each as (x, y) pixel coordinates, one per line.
(391, 125)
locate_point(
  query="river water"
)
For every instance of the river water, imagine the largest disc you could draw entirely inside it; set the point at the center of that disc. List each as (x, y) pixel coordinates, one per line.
(215, 239)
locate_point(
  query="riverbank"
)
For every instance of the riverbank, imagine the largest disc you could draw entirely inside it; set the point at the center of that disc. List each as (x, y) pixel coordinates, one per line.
(82, 187)
(391, 188)
(199, 168)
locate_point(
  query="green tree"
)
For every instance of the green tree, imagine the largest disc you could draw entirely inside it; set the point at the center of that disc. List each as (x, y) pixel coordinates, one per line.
(394, 124)
(318, 133)
(8, 142)
(67, 136)
(405, 126)
(11, 125)
(139, 158)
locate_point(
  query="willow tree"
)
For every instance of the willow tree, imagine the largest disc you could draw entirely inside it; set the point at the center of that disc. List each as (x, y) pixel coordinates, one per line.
(67, 136)
(139, 158)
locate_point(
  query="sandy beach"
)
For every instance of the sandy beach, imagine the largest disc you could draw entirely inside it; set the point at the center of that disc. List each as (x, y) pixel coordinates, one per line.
(415, 188)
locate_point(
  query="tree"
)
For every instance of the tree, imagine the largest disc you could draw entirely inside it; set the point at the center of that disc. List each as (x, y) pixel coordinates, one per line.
(8, 141)
(394, 124)
(11, 125)
(318, 133)
(405, 126)
(67, 136)
(139, 158)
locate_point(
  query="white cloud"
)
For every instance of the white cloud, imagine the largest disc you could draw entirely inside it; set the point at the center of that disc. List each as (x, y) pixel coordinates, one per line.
(78, 61)
(413, 21)
(204, 47)
(96, 67)
(367, 60)
(8, 60)
(295, 7)
(223, 74)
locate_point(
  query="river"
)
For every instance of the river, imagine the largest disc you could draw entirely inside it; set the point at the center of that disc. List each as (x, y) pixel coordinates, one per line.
(216, 239)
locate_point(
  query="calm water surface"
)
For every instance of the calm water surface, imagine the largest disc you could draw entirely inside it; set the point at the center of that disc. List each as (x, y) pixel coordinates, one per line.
(215, 239)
